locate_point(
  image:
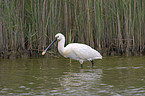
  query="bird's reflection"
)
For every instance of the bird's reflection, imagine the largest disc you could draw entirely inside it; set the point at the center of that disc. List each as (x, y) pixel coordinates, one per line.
(84, 78)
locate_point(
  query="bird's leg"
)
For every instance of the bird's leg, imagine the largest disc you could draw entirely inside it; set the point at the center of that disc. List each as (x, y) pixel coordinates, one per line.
(81, 65)
(81, 61)
(92, 62)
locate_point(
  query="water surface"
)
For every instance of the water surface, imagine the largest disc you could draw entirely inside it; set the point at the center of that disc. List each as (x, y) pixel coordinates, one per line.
(111, 76)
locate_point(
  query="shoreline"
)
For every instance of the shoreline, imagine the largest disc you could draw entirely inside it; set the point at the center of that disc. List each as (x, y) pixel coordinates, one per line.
(35, 53)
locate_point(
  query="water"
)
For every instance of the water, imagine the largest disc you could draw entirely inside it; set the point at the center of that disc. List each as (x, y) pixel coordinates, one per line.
(111, 76)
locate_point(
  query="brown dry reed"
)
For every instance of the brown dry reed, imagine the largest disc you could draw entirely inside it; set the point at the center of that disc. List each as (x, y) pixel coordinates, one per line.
(113, 27)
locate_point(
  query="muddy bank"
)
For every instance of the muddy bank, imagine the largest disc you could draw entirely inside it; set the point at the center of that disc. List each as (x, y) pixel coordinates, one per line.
(35, 53)
(24, 54)
(14, 54)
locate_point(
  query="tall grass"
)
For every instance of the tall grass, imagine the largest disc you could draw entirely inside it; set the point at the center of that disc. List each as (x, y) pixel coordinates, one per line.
(114, 27)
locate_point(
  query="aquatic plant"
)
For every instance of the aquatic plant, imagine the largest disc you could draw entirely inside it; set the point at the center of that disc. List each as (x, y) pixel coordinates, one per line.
(114, 27)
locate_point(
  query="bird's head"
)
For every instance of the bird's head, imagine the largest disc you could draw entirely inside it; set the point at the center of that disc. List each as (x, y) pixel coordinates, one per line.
(59, 37)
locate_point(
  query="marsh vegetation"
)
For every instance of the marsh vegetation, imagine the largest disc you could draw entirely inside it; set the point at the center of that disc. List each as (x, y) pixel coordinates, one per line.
(113, 27)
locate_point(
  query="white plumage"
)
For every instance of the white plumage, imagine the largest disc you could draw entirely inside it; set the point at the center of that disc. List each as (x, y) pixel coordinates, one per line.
(76, 51)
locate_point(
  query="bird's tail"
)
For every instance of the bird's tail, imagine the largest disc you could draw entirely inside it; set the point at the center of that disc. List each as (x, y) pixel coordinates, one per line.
(98, 57)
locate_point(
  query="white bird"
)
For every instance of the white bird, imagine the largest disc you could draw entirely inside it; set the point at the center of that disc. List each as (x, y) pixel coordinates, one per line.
(76, 51)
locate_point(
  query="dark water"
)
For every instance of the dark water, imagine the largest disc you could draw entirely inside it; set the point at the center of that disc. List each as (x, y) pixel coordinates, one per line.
(111, 76)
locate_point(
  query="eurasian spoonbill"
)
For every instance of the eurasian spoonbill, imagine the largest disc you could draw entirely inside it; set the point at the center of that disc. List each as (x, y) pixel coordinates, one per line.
(76, 51)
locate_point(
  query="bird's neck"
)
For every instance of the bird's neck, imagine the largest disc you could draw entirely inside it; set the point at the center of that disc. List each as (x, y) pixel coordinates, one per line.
(61, 46)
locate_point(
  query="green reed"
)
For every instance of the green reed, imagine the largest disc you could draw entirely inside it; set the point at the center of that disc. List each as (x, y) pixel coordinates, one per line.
(114, 27)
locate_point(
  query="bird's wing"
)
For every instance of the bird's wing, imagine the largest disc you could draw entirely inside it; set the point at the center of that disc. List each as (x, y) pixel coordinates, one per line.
(84, 52)
(78, 51)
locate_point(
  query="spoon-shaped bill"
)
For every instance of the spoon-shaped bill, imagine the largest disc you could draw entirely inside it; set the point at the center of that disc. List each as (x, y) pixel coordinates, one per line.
(49, 46)
(43, 52)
